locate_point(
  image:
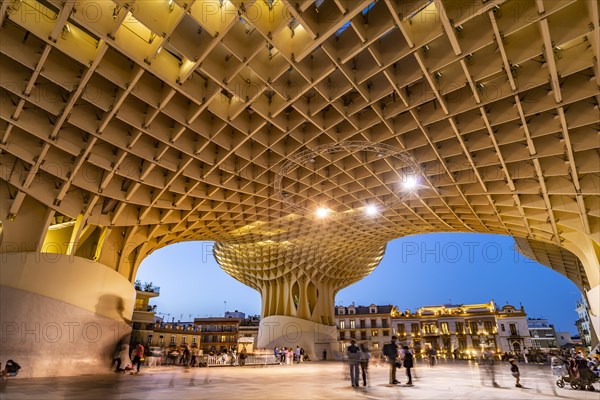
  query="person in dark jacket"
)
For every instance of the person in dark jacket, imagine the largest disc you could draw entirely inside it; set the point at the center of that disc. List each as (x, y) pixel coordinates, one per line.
(390, 350)
(353, 353)
(408, 364)
(514, 370)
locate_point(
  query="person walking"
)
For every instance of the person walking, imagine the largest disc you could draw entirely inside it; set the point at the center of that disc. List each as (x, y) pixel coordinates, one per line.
(116, 358)
(487, 365)
(390, 350)
(432, 354)
(353, 361)
(324, 354)
(243, 355)
(364, 357)
(408, 363)
(289, 355)
(195, 353)
(514, 371)
(138, 357)
(298, 358)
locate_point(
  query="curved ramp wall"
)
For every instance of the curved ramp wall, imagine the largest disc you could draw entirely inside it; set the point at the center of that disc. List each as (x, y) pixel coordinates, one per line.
(61, 315)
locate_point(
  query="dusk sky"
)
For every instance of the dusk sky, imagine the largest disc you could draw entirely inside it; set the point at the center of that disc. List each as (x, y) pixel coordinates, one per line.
(458, 268)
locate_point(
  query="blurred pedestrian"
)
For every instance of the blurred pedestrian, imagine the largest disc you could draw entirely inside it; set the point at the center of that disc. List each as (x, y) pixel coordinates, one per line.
(353, 361)
(390, 350)
(514, 371)
(408, 363)
(364, 357)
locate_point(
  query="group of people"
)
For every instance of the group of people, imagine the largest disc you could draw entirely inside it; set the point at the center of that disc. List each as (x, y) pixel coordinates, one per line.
(121, 358)
(123, 361)
(287, 356)
(359, 356)
(397, 358)
(402, 356)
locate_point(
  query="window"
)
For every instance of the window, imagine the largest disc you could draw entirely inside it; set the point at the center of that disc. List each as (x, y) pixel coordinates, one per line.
(362, 324)
(363, 335)
(223, 338)
(502, 327)
(375, 345)
(341, 311)
(460, 327)
(414, 329)
(161, 340)
(342, 335)
(513, 329)
(352, 335)
(384, 323)
(183, 339)
(373, 323)
(462, 344)
(139, 305)
(194, 338)
(352, 324)
(386, 333)
(473, 328)
(172, 341)
(374, 332)
(342, 324)
(401, 330)
(373, 311)
(425, 329)
(487, 327)
(149, 340)
(475, 343)
(445, 329)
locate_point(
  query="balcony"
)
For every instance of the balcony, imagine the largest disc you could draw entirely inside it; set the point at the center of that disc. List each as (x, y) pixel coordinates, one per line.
(142, 316)
(146, 289)
(231, 329)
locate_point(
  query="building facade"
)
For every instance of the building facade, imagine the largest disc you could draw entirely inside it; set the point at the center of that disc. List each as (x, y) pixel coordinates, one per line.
(144, 314)
(206, 334)
(584, 327)
(463, 330)
(543, 335)
(371, 325)
(563, 339)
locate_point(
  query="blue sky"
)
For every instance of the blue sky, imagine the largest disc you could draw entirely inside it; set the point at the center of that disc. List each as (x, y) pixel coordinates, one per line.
(416, 271)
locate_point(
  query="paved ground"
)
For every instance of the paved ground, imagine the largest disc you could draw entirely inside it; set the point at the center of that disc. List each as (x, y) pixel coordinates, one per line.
(324, 380)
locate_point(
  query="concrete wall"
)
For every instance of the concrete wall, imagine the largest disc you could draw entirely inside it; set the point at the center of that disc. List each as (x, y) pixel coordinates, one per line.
(61, 315)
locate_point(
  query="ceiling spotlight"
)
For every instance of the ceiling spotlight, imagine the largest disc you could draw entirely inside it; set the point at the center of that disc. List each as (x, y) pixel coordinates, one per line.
(311, 160)
(322, 212)
(371, 210)
(410, 183)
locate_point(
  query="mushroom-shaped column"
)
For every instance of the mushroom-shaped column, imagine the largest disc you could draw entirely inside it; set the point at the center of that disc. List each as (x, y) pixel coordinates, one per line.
(298, 282)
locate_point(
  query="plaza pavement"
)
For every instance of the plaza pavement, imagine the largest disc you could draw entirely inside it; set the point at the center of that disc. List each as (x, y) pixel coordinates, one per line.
(316, 380)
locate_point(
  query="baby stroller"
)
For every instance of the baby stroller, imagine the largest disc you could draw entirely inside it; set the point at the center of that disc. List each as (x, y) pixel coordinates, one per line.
(586, 378)
(12, 369)
(560, 370)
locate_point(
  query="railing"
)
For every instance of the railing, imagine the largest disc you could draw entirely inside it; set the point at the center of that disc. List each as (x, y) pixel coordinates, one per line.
(220, 361)
(147, 288)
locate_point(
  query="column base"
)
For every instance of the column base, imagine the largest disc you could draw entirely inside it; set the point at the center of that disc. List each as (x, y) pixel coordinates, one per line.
(280, 330)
